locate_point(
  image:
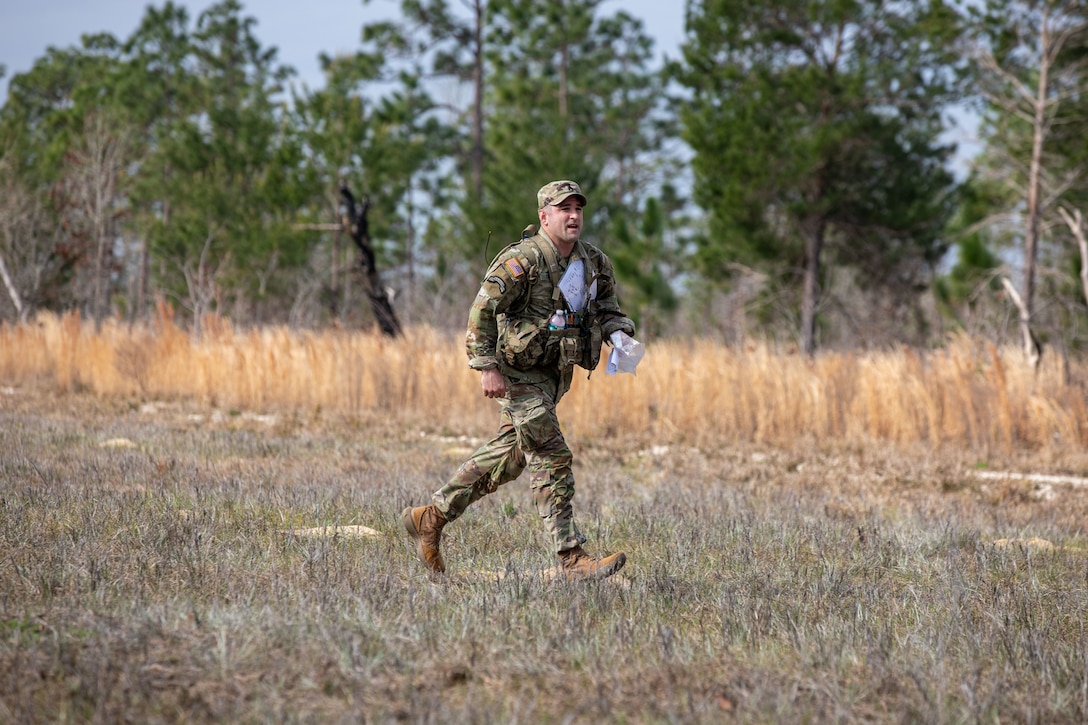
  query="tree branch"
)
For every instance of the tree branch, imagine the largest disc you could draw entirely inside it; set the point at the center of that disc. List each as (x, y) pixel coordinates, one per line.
(1032, 349)
(1075, 222)
(13, 292)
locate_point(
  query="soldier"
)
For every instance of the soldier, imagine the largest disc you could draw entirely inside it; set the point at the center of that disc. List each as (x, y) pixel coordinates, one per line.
(526, 360)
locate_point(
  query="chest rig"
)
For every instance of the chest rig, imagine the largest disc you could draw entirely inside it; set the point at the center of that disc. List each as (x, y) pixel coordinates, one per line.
(526, 342)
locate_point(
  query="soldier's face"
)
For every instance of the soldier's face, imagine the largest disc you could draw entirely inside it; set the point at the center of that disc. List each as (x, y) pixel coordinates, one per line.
(563, 221)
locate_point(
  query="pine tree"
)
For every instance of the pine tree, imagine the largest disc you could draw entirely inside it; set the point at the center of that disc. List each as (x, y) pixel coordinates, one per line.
(815, 129)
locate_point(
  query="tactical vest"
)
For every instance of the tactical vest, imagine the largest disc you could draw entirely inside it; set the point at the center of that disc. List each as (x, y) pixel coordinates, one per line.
(527, 343)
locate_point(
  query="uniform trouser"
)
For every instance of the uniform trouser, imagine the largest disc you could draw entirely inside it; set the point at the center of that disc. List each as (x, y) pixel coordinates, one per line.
(528, 437)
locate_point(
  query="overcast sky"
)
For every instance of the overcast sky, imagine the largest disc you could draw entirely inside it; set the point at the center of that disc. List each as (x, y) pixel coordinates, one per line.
(300, 30)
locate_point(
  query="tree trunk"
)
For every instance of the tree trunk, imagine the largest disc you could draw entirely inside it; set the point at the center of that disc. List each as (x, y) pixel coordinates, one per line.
(564, 70)
(1031, 220)
(381, 302)
(477, 154)
(814, 242)
(564, 65)
(144, 284)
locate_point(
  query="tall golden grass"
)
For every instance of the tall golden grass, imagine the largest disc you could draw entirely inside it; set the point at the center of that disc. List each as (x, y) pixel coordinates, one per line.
(968, 394)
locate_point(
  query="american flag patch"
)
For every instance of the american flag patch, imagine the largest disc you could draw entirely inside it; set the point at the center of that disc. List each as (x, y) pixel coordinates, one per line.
(514, 267)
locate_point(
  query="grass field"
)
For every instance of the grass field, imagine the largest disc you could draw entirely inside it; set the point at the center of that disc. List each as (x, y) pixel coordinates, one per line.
(158, 561)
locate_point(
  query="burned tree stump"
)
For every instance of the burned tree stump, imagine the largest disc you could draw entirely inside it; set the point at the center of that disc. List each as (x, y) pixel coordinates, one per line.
(354, 219)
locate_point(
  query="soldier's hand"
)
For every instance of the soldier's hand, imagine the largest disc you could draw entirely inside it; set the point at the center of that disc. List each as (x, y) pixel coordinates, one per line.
(493, 383)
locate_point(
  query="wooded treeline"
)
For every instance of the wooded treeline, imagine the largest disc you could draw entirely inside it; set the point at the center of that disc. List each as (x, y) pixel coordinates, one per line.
(789, 176)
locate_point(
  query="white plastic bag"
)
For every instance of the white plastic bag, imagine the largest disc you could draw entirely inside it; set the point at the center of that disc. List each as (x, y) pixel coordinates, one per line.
(626, 353)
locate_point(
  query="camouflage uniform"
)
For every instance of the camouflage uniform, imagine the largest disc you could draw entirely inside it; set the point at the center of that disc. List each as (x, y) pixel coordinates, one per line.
(518, 288)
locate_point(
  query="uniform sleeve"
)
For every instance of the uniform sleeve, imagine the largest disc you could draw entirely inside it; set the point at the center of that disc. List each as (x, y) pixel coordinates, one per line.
(609, 313)
(504, 285)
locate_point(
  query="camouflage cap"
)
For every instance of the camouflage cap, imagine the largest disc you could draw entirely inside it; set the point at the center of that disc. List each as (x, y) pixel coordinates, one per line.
(556, 192)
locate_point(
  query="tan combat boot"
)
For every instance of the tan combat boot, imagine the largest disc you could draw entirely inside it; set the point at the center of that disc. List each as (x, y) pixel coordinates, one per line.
(424, 524)
(577, 564)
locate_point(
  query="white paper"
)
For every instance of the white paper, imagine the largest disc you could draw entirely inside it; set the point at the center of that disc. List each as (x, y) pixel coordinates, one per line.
(626, 353)
(573, 285)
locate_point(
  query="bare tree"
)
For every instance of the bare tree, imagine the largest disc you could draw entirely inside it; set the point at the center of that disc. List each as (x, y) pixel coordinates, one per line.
(12, 206)
(1027, 81)
(25, 248)
(354, 219)
(201, 280)
(91, 204)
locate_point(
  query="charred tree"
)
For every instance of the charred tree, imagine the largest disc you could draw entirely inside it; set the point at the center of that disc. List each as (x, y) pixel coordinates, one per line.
(353, 217)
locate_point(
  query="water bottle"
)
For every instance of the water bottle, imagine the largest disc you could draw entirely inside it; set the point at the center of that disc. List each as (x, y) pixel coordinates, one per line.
(558, 321)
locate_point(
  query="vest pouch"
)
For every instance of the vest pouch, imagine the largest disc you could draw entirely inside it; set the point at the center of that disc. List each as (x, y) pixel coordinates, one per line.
(590, 353)
(570, 344)
(525, 345)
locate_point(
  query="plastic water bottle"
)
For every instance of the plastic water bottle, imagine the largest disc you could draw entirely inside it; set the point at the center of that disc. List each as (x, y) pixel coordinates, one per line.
(558, 321)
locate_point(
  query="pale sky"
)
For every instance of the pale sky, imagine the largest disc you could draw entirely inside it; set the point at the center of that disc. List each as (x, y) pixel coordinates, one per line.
(300, 30)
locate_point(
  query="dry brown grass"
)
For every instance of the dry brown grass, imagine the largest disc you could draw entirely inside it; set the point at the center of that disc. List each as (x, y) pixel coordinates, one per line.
(207, 531)
(966, 395)
(158, 564)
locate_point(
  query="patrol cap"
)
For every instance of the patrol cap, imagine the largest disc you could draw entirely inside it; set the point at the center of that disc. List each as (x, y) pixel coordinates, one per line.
(556, 192)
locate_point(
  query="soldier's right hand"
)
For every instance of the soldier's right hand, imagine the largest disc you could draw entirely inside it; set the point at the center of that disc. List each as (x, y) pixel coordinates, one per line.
(493, 383)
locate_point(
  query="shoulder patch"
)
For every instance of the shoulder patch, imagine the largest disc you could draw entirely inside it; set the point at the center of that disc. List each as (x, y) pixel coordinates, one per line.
(515, 267)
